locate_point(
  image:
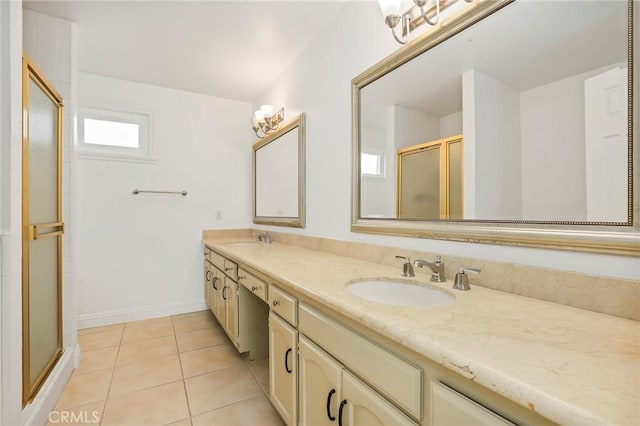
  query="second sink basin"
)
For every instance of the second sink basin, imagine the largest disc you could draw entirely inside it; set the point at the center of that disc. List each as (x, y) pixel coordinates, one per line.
(400, 293)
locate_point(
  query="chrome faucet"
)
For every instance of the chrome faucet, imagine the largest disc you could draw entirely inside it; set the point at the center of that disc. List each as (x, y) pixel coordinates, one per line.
(407, 267)
(437, 269)
(462, 280)
(263, 237)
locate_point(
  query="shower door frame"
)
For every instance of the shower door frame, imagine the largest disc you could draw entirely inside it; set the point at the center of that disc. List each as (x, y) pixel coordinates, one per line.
(31, 73)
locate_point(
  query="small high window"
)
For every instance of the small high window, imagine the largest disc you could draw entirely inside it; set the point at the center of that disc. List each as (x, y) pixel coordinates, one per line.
(114, 135)
(371, 164)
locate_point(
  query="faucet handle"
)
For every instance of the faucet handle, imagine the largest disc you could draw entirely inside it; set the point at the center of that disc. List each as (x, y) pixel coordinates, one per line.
(461, 281)
(407, 267)
(438, 259)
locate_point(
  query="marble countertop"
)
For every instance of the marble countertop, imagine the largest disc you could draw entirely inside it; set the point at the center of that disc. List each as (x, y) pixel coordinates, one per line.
(570, 365)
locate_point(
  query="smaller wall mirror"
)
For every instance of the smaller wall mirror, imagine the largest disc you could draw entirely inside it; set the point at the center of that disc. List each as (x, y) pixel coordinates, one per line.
(279, 176)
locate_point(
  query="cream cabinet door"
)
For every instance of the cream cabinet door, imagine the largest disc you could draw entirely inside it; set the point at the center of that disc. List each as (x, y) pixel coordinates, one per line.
(217, 304)
(208, 275)
(319, 385)
(361, 406)
(450, 408)
(230, 299)
(283, 380)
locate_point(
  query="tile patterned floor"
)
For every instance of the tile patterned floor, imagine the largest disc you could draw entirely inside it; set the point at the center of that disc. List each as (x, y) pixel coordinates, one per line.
(180, 370)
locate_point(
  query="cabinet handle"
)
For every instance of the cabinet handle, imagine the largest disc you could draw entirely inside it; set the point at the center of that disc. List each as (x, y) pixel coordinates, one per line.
(224, 297)
(240, 278)
(342, 404)
(286, 361)
(213, 283)
(254, 288)
(228, 269)
(208, 278)
(275, 303)
(331, 392)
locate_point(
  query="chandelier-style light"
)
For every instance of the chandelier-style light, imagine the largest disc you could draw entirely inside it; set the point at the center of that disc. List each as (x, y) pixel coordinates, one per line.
(402, 12)
(264, 120)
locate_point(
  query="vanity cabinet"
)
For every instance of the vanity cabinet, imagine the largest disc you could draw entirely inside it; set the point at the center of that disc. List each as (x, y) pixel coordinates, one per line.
(283, 353)
(229, 309)
(283, 368)
(241, 312)
(451, 408)
(328, 390)
(208, 275)
(328, 393)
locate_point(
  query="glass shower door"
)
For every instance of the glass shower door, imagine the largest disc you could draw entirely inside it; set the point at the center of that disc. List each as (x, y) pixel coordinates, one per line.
(42, 229)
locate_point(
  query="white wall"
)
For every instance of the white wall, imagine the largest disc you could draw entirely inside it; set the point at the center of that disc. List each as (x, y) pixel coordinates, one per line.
(553, 134)
(411, 127)
(318, 82)
(10, 210)
(492, 134)
(140, 255)
(451, 125)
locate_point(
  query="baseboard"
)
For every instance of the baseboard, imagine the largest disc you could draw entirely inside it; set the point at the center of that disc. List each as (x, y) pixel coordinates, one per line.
(146, 312)
(37, 413)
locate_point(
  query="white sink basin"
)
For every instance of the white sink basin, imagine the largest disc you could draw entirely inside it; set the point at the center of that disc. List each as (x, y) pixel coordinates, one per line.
(401, 293)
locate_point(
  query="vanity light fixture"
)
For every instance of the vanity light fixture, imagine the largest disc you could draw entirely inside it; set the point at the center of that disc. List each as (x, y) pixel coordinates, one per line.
(265, 120)
(411, 14)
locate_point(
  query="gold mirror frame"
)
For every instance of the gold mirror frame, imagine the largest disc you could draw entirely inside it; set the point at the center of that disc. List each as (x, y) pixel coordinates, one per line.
(299, 221)
(619, 238)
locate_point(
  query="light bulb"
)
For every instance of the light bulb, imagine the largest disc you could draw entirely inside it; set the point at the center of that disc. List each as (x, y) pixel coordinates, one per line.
(267, 110)
(259, 116)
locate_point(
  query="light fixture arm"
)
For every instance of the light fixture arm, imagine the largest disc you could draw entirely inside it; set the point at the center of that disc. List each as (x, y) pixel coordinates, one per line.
(421, 4)
(392, 22)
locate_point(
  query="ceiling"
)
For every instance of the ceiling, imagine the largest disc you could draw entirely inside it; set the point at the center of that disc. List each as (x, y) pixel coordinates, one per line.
(231, 49)
(524, 45)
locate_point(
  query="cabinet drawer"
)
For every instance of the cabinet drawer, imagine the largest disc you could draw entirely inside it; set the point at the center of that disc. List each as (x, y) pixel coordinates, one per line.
(231, 269)
(283, 304)
(450, 408)
(253, 284)
(217, 260)
(207, 253)
(395, 378)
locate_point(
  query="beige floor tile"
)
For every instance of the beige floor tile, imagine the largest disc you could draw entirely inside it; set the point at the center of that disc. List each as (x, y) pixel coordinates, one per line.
(93, 341)
(149, 329)
(92, 330)
(149, 322)
(100, 359)
(141, 375)
(89, 414)
(154, 406)
(204, 360)
(260, 370)
(201, 339)
(219, 388)
(86, 388)
(146, 349)
(193, 323)
(183, 422)
(251, 412)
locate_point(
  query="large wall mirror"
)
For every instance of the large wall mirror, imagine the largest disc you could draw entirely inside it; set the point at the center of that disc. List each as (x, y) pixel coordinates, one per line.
(279, 176)
(509, 124)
